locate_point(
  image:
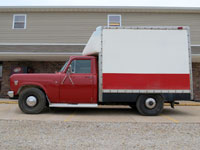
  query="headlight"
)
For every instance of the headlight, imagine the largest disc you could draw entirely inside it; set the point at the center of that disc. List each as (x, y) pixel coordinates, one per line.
(16, 82)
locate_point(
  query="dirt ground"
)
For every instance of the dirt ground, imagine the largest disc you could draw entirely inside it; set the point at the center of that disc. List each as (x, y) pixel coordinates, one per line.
(108, 127)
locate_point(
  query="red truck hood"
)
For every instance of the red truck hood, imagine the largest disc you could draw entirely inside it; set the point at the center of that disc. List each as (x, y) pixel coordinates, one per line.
(34, 76)
(25, 76)
(33, 79)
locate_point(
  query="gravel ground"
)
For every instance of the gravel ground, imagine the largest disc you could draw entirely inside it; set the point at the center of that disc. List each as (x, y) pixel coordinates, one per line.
(52, 135)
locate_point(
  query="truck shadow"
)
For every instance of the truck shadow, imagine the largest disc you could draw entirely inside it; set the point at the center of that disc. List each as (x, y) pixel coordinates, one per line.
(176, 112)
(93, 111)
(112, 111)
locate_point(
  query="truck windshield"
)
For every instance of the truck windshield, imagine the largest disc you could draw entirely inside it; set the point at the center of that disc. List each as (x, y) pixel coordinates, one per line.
(63, 68)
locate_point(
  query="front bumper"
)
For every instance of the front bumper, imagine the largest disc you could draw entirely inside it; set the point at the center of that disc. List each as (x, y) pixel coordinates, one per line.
(11, 94)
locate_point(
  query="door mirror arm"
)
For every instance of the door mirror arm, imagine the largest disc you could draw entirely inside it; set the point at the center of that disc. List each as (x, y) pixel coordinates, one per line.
(69, 71)
(70, 77)
(64, 78)
(66, 74)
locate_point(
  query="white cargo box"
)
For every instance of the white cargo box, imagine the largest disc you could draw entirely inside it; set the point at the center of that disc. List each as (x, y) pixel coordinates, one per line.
(142, 59)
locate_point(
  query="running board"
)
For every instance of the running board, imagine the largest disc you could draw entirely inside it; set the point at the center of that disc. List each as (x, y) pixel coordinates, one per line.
(72, 105)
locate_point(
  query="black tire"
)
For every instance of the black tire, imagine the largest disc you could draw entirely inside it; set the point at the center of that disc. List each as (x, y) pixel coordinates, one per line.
(39, 106)
(144, 110)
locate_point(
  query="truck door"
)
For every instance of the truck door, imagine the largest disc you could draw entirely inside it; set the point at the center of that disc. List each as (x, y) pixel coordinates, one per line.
(77, 84)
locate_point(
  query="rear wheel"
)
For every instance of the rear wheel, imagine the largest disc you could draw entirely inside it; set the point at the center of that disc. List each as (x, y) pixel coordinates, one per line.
(32, 101)
(150, 105)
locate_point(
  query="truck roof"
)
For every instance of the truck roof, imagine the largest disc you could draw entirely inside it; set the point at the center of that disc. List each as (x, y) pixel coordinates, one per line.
(83, 57)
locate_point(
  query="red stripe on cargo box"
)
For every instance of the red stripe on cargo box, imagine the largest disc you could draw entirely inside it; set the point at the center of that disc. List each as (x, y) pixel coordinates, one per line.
(146, 81)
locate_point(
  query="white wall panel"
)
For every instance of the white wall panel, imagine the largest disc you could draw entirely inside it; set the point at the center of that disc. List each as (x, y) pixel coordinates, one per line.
(145, 51)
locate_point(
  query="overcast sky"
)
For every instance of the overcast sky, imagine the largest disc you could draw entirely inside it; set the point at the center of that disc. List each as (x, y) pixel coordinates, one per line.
(164, 3)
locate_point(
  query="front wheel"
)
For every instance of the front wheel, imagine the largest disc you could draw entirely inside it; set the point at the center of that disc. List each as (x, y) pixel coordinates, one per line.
(32, 101)
(150, 105)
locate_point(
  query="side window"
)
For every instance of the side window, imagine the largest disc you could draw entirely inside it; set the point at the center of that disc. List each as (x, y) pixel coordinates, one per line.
(19, 21)
(114, 20)
(81, 66)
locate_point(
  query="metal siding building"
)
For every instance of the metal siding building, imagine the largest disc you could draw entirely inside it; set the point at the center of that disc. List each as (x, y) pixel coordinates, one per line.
(52, 34)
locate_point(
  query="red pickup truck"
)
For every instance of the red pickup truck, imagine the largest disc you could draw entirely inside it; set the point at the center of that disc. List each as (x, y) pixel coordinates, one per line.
(75, 84)
(128, 66)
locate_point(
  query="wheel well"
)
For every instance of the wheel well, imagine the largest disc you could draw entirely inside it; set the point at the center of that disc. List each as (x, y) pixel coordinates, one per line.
(151, 94)
(29, 86)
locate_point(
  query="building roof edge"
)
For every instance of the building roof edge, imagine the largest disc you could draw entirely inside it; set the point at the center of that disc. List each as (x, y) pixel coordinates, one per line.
(98, 9)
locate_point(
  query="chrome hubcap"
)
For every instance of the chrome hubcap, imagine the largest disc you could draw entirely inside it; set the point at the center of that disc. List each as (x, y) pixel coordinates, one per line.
(31, 101)
(150, 103)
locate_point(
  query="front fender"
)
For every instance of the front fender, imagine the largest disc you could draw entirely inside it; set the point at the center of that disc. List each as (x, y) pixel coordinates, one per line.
(32, 84)
(51, 91)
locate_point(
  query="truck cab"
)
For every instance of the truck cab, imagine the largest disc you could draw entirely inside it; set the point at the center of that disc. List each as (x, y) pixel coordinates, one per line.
(75, 83)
